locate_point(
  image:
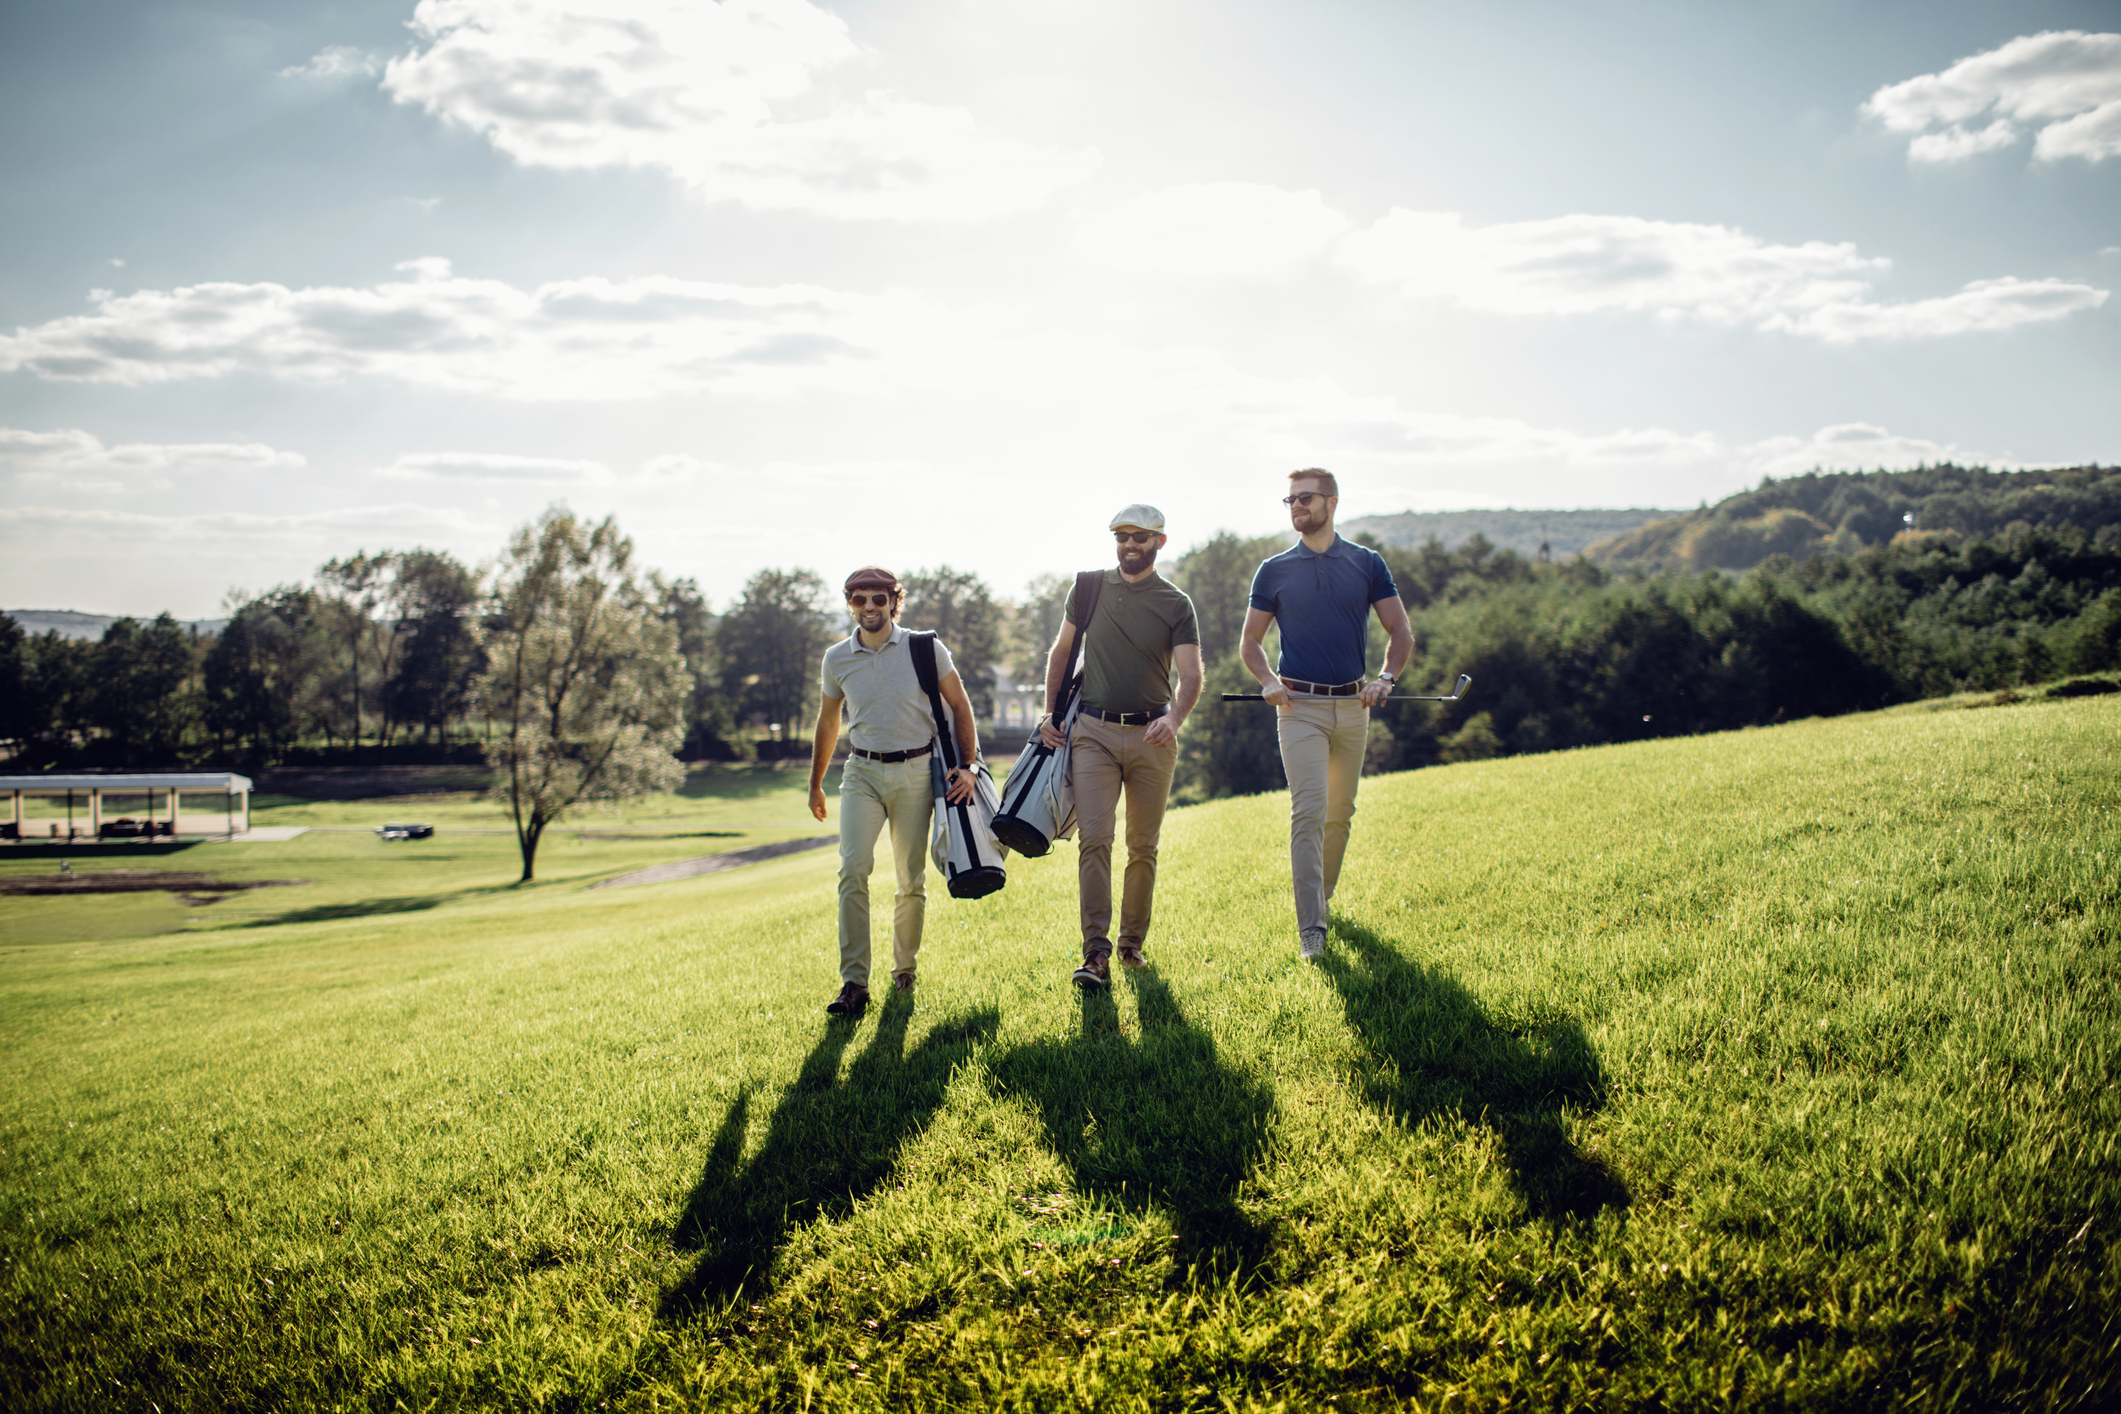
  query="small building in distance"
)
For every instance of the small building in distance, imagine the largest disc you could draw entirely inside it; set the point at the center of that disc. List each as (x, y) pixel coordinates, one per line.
(115, 805)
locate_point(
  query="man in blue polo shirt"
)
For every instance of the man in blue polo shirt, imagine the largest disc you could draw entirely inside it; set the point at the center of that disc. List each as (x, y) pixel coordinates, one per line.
(1322, 592)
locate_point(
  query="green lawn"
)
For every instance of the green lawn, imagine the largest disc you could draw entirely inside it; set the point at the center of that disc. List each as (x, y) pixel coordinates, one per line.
(1774, 1069)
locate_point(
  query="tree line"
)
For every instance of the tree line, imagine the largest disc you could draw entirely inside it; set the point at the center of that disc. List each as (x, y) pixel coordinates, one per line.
(381, 656)
(392, 654)
(1574, 654)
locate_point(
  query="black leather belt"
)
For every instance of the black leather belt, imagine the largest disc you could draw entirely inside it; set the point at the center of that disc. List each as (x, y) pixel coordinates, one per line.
(892, 758)
(1319, 689)
(1125, 719)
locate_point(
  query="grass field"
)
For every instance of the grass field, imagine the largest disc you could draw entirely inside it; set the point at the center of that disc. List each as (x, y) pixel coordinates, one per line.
(1767, 1070)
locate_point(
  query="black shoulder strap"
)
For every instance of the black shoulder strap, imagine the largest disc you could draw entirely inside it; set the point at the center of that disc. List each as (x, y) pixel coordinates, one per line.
(923, 647)
(1082, 607)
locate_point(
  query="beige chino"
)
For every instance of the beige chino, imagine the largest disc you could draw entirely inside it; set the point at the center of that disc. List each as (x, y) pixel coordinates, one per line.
(873, 793)
(1104, 760)
(1322, 741)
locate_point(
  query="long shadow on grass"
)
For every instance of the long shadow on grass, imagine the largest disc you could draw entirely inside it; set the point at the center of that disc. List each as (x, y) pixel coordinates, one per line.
(1157, 1122)
(1434, 1052)
(827, 1146)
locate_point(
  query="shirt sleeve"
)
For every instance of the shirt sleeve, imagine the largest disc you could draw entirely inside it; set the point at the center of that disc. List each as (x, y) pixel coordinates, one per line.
(1381, 586)
(1187, 629)
(1263, 590)
(945, 665)
(828, 682)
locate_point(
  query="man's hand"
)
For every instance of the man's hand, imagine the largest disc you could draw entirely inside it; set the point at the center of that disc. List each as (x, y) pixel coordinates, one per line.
(1276, 692)
(961, 786)
(1163, 731)
(817, 801)
(1375, 691)
(1051, 735)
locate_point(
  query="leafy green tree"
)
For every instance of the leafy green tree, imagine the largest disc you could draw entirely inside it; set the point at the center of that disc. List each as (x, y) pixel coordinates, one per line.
(356, 586)
(973, 623)
(259, 672)
(711, 729)
(1217, 575)
(1228, 748)
(141, 699)
(1035, 622)
(434, 657)
(584, 676)
(770, 642)
(19, 724)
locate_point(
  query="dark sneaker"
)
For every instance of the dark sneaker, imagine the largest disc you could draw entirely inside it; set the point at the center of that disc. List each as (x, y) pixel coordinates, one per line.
(1095, 973)
(903, 982)
(1130, 955)
(851, 1001)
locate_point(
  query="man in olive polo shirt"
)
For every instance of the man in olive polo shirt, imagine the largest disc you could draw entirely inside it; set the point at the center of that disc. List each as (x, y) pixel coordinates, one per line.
(890, 731)
(1125, 737)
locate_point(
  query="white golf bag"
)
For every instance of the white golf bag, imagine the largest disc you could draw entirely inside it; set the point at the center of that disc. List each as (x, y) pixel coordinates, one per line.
(1038, 807)
(962, 839)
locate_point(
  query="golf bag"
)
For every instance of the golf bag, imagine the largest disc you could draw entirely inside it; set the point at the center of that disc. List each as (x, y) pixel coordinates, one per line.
(962, 843)
(1039, 805)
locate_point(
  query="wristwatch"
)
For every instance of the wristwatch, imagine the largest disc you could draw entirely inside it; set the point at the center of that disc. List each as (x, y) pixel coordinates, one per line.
(1386, 677)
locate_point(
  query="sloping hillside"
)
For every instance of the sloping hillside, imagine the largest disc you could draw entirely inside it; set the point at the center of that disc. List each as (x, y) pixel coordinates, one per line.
(1779, 1069)
(1842, 512)
(1564, 533)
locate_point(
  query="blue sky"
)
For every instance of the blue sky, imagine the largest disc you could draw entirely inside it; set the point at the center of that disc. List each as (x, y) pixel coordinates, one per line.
(783, 283)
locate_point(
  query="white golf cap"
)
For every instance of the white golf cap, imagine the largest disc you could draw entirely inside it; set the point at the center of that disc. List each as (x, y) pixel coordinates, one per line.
(1139, 517)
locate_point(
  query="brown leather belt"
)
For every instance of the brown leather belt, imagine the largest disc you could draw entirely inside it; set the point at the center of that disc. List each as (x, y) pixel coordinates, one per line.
(1125, 719)
(1319, 689)
(892, 758)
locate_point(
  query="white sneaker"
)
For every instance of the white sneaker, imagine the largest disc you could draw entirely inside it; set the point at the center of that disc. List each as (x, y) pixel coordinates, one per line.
(1313, 944)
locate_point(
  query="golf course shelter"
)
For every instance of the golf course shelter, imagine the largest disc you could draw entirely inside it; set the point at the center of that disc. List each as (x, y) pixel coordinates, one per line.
(114, 806)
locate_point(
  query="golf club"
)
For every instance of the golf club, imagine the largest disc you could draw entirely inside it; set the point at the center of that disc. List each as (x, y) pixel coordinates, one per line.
(1465, 680)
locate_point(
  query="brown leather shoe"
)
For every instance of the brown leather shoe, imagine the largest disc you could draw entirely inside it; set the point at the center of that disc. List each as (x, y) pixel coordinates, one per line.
(1095, 973)
(903, 982)
(852, 1001)
(1130, 955)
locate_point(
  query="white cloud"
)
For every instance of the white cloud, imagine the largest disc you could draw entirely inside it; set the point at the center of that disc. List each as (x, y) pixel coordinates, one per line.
(506, 469)
(495, 467)
(337, 61)
(2065, 83)
(1213, 230)
(78, 461)
(1581, 264)
(573, 340)
(727, 97)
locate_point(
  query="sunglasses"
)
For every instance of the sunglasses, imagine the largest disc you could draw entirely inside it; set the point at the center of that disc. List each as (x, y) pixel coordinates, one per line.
(1303, 498)
(1138, 537)
(874, 601)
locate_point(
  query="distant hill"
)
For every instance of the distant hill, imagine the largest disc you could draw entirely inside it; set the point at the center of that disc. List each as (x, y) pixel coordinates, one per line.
(1565, 533)
(1842, 512)
(70, 623)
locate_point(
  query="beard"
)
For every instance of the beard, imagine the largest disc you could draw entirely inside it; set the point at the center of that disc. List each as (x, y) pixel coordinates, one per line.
(1136, 558)
(872, 620)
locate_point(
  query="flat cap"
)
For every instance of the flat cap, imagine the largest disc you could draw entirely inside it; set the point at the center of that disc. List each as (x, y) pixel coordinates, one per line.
(871, 577)
(1139, 517)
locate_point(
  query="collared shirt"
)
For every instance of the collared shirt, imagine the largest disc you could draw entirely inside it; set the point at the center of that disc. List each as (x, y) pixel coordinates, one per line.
(886, 709)
(1127, 650)
(1321, 600)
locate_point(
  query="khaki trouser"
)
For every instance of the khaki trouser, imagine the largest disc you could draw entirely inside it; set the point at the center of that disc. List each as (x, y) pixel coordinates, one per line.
(1322, 741)
(1105, 758)
(871, 794)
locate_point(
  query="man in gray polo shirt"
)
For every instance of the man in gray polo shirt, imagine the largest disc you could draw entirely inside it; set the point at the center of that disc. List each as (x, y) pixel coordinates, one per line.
(890, 729)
